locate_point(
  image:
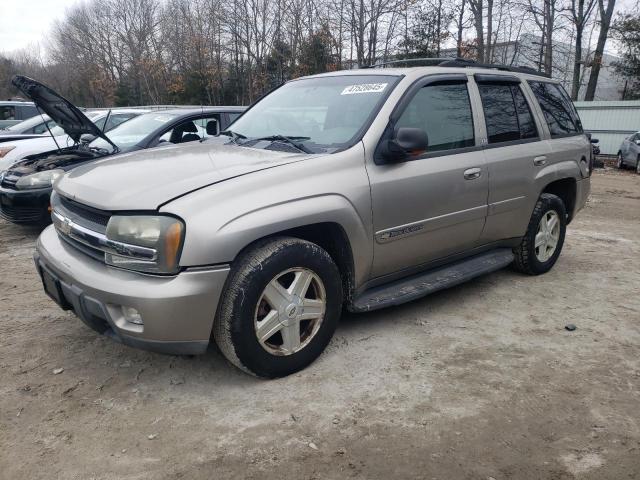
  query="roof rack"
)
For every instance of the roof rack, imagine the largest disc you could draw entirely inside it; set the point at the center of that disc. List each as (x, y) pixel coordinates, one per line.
(458, 62)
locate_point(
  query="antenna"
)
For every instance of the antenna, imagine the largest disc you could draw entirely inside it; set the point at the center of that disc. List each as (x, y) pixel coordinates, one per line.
(49, 130)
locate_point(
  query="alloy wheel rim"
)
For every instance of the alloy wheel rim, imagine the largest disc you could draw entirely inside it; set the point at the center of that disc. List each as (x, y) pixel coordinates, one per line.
(548, 235)
(619, 161)
(290, 311)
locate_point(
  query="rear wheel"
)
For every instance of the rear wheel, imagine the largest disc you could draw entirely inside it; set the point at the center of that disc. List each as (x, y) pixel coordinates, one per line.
(542, 244)
(280, 307)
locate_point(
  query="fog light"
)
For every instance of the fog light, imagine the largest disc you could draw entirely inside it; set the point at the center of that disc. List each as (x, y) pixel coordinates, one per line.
(132, 315)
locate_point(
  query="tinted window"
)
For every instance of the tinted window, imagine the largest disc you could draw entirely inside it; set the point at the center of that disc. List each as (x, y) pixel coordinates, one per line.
(444, 112)
(7, 113)
(27, 111)
(557, 108)
(506, 113)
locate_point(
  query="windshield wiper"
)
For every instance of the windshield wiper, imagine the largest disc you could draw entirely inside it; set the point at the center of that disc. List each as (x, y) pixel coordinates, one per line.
(295, 141)
(234, 136)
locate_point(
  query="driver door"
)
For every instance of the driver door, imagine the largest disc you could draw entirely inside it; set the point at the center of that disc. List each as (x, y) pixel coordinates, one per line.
(435, 204)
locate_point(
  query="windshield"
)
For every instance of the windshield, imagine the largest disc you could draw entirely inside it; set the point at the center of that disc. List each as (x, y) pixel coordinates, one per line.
(322, 114)
(29, 124)
(132, 132)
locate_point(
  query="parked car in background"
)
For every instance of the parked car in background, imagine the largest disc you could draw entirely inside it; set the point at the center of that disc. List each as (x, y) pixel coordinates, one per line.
(14, 111)
(360, 189)
(17, 149)
(33, 127)
(629, 153)
(25, 187)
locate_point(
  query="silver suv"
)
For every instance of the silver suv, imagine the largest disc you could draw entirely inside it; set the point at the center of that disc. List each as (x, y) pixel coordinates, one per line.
(355, 189)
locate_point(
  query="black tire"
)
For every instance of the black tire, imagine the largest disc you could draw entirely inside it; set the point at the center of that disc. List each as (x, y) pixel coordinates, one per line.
(234, 330)
(526, 260)
(638, 165)
(619, 161)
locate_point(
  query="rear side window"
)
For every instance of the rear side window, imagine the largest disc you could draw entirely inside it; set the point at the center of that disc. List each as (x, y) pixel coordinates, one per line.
(506, 113)
(444, 112)
(558, 110)
(8, 113)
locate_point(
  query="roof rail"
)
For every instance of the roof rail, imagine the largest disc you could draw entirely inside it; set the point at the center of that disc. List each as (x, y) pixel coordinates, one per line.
(458, 62)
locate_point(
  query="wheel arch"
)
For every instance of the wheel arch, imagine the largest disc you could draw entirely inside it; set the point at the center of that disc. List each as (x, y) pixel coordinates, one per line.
(330, 236)
(566, 190)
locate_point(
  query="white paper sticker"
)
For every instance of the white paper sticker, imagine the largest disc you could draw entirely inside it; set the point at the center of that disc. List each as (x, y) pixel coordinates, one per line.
(364, 88)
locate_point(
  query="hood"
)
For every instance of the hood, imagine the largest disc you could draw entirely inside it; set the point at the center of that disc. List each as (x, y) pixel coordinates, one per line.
(61, 110)
(146, 179)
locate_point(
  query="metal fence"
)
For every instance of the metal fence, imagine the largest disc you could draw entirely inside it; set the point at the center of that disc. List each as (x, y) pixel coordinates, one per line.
(610, 122)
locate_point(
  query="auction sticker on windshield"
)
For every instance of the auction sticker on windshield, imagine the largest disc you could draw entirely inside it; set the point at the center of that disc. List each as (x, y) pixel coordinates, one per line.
(364, 88)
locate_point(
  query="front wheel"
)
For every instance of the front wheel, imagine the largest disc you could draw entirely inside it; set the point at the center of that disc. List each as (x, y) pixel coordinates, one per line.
(280, 307)
(619, 161)
(638, 165)
(542, 244)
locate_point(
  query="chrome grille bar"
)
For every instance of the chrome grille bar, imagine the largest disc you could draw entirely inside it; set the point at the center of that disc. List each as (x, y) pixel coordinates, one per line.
(99, 241)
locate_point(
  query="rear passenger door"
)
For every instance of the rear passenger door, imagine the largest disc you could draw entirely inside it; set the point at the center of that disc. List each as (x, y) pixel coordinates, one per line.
(569, 144)
(513, 150)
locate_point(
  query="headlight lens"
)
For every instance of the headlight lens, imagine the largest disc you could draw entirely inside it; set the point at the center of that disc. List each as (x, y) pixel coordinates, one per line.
(161, 233)
(5, 150)
(39, 180)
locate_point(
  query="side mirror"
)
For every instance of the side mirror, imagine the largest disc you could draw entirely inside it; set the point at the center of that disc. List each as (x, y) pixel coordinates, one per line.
(212, 128)
(594, 140)
(87, 138)
(405, 142)
(637, 142)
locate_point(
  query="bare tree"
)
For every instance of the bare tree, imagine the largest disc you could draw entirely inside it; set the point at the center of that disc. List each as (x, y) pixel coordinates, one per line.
(581, 11)
(606, 13)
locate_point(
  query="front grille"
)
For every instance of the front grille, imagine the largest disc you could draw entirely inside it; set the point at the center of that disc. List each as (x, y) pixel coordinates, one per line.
(88, 217)
(22, 214)
(10, 182)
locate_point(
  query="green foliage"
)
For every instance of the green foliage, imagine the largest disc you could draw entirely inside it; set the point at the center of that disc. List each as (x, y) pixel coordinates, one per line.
(627, 32)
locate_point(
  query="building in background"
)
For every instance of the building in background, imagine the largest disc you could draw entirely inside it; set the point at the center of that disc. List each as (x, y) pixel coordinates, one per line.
(610, 122)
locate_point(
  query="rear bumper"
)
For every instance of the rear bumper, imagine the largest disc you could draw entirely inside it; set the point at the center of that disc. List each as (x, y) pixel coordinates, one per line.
(177, 311)
(25, 206)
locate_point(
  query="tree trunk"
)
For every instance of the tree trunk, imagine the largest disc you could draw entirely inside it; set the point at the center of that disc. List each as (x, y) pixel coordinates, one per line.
(605, 23)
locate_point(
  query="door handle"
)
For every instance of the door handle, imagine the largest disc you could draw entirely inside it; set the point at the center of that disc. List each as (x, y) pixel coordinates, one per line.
(472, 173)
(539, 161)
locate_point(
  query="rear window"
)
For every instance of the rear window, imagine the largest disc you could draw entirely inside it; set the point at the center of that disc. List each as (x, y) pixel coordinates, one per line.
(506, 112)
(559, 112)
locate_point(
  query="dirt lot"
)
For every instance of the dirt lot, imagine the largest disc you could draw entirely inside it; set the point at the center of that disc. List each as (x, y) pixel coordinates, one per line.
(477, 382)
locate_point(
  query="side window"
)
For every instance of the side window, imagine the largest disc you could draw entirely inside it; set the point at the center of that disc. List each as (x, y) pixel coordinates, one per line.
(100, 123)
(557, 108)
(117, 119)
(506, 112)
(7, 112)
(27, 111)
(233, 116)
(444, 112)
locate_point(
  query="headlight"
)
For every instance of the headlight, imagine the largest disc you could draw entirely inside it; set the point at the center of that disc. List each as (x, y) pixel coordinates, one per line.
(158, 238)
(5, 150)
(39, 180)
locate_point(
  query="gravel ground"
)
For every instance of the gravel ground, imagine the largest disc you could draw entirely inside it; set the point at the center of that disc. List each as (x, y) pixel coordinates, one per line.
(477, 382)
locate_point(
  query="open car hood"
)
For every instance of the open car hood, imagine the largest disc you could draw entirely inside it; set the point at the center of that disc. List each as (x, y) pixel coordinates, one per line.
(62, 111)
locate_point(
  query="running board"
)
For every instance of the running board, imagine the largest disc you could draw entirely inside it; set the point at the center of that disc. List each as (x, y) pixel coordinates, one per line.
(422, 284)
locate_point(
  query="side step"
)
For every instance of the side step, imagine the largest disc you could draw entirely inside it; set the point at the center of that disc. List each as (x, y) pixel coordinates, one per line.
(422, 284)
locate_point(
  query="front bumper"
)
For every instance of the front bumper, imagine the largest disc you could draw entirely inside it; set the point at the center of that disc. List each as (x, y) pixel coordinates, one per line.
(177, 311)
(25, 206)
